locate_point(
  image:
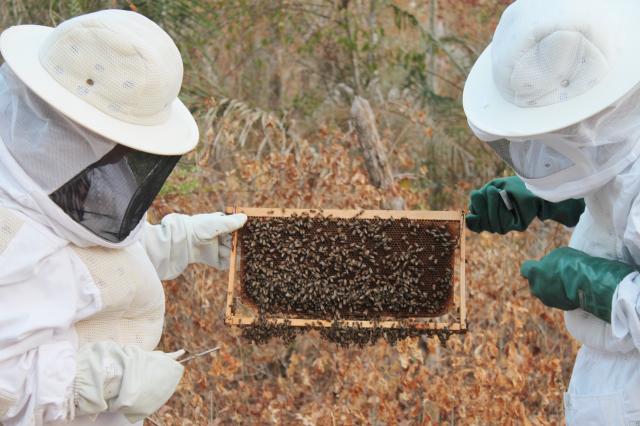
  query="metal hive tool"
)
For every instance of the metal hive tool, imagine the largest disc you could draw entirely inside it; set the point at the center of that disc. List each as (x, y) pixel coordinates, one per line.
(348, 268)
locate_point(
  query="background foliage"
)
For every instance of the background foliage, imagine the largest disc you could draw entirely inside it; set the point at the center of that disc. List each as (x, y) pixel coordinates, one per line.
(271, 84)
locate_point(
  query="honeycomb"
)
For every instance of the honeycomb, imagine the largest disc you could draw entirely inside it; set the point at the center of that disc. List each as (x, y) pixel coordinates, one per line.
(319, 267)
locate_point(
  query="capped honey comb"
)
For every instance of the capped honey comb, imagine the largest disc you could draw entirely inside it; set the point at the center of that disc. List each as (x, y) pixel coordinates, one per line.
(346, 270)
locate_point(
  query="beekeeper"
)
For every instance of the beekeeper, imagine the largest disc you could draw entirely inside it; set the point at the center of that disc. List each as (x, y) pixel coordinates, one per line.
(556, 94)
(90, 128)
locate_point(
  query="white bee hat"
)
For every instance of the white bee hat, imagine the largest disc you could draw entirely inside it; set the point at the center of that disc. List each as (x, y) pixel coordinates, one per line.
(552, 64)
(114, 72)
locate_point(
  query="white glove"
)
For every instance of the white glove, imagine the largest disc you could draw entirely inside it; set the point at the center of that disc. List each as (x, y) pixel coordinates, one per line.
(180, 240)
(210, 241)
(123, 378)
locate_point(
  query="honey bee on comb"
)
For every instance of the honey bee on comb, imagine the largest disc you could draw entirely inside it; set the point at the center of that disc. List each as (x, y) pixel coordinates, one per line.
(340, 268)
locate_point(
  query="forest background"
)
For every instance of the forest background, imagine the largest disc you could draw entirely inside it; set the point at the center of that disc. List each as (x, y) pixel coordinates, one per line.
(271, 84)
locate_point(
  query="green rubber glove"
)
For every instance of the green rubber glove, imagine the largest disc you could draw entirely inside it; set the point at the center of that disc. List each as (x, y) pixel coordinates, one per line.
(569, 279)
(488, 211)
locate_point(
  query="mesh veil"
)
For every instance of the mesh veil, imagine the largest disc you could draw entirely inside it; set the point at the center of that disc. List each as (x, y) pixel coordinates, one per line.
(111, 196)
(90, 190)
(49, 147)
(576, 160)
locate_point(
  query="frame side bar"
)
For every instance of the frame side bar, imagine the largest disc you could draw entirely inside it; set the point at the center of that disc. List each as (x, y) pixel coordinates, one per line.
(233, 260)
(463, 277)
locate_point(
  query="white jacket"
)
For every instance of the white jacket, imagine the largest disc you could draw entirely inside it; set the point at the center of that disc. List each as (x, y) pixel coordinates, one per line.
(55, 296)
(606, 375)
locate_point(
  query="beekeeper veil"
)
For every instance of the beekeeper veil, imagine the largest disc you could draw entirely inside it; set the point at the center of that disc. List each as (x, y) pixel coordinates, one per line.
(87, 188)
(91, 123)
(579, 159)
(558, 98)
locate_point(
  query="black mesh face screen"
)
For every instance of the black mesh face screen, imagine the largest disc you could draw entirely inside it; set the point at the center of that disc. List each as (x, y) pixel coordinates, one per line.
(110, 197)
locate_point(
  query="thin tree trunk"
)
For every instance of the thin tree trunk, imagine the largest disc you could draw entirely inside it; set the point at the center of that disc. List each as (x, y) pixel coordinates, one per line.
(433, 8)
(375, 156)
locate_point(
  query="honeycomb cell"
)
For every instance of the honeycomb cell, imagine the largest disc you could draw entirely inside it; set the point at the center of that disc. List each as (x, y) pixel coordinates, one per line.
(358, 268)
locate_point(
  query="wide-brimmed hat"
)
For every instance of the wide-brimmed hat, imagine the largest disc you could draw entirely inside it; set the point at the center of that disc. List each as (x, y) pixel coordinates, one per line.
(552, 64)
(114, 72)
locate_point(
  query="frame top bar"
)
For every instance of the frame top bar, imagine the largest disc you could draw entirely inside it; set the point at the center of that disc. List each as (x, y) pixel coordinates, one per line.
(349, 214)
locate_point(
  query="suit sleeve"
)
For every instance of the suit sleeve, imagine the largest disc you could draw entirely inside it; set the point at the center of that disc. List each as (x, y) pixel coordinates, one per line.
(44, 290)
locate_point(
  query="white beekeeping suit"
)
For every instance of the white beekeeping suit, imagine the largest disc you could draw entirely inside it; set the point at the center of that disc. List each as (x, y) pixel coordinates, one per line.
(90, 128)
(557, 96)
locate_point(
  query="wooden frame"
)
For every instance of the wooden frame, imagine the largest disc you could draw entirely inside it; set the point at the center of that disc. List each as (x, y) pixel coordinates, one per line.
(231, 318)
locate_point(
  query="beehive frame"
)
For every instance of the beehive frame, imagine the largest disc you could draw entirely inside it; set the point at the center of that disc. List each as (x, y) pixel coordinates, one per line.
(232, 318)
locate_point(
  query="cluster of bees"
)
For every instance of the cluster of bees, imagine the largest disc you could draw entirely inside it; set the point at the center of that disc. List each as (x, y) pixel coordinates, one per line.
(349, 336)
(262, 331)
(329, 268)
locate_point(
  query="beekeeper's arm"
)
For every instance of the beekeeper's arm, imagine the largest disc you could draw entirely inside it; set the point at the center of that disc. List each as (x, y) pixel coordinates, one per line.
(569, 279)
(625, 318)
(37, 384)
(37, 346)
(44, 290)
(54, 383)
(123, 378)
(505, 205)
(180, 240)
